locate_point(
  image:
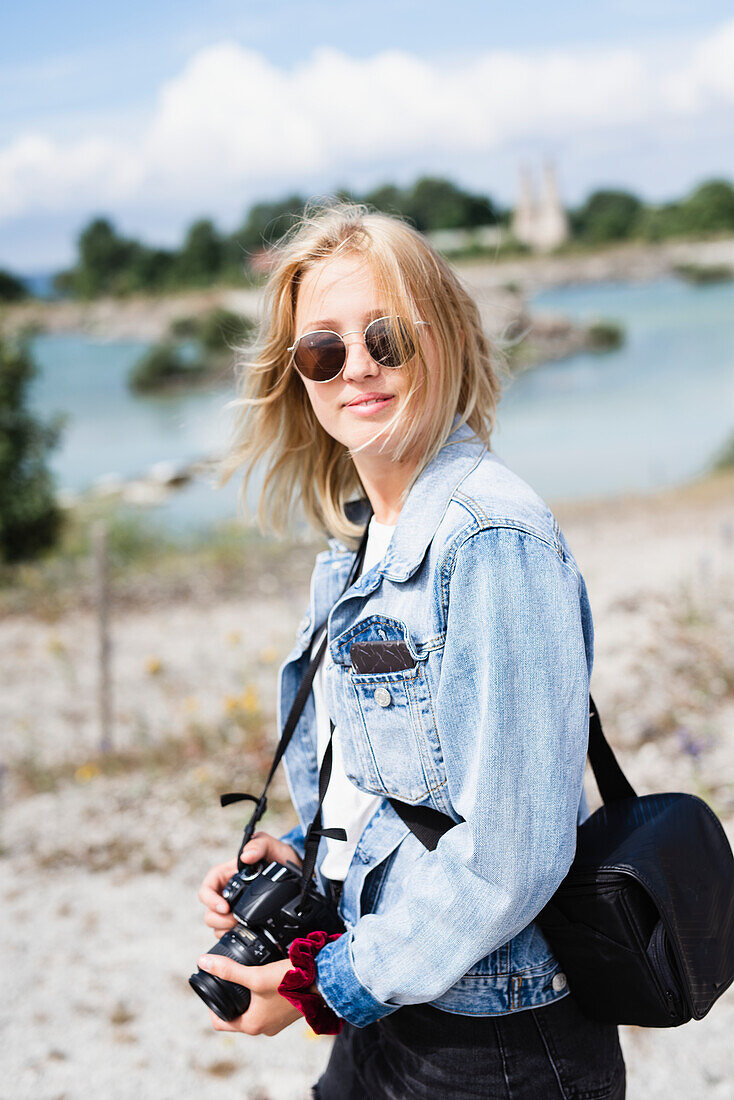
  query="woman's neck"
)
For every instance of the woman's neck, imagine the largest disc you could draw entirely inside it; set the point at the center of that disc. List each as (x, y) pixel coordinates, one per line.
(384, 481)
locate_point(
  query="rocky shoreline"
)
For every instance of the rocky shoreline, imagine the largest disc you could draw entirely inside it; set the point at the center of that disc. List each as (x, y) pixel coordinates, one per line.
(502, 289)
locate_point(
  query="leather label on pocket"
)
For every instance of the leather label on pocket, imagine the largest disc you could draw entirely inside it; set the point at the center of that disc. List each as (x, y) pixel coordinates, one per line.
(375, 657)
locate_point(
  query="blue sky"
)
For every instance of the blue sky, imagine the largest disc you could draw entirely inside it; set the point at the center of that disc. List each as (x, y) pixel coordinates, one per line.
(157, 112)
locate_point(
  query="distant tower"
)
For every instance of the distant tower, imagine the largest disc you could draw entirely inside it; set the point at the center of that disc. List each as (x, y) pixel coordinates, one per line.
(543, 225)
(523, 218)
(552, 219)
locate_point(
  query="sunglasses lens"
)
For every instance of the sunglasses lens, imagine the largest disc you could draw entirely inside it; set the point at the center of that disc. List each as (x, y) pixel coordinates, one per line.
(320, 356)
(388, 342)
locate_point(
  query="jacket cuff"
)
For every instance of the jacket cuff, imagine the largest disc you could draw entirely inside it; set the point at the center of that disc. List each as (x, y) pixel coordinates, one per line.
(338, 984)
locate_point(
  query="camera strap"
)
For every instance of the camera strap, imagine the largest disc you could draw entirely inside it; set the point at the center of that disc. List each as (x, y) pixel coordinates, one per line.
(315, 830)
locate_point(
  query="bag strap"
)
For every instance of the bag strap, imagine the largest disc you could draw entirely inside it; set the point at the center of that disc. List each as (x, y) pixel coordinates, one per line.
(429, 825)
(290, 724)
(613, 784)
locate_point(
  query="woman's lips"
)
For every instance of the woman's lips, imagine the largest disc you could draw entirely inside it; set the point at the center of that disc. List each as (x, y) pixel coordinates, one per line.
(369, 405)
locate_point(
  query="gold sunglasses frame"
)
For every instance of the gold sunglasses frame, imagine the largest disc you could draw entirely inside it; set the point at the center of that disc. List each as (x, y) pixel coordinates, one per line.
(341, 335)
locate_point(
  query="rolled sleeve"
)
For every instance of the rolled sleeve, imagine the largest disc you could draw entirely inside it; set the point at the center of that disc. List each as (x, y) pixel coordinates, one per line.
(344, 993)
(512, 719)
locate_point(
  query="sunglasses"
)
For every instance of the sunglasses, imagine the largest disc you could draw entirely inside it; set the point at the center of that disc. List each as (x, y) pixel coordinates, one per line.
(320, 356)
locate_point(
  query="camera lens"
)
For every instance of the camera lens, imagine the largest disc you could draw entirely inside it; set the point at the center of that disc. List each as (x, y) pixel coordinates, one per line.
(227, 999)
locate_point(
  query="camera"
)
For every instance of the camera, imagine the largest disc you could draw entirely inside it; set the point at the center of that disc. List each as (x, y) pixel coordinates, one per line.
(272, 909)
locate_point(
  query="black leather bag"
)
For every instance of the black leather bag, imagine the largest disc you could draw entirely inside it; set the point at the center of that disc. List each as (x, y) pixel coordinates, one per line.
(643, 924)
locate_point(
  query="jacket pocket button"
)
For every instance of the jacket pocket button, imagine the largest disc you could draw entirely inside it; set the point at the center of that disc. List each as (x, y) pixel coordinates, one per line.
(559, 982)
(383, 698)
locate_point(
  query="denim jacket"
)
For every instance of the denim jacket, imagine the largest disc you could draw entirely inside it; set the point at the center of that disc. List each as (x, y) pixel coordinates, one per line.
(490, 726)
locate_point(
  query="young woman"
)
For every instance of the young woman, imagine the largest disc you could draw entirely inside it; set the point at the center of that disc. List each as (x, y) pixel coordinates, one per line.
(372, 398)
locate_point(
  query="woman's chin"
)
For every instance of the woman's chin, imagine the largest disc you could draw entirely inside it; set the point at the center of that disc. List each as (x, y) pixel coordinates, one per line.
(371, 438)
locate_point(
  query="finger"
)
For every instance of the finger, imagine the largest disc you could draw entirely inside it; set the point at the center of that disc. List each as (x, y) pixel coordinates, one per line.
(257, 979)
(215, 879)
(219, 921)
(219, 1024)
(256, 849)
(213, 900)
(211, 887)
(276, 849)
(238, 1025)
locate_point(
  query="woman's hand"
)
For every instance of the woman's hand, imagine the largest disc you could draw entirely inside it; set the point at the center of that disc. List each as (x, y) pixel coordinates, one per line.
(268, 1012)
(262, 846)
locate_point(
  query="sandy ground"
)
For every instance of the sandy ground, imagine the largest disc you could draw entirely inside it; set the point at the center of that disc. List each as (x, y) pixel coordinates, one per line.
(98, 876)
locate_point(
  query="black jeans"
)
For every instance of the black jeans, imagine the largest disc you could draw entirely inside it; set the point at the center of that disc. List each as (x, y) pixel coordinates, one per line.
(421, 1053)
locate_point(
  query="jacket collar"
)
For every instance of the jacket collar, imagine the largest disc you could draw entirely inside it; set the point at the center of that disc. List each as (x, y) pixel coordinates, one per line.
(427, 501)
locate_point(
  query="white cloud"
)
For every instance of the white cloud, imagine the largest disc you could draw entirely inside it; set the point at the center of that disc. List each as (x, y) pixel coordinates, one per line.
(232, 122)
(38, 174)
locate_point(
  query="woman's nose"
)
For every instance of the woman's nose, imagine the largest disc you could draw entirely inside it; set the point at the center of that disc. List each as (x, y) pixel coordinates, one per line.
(359, 362)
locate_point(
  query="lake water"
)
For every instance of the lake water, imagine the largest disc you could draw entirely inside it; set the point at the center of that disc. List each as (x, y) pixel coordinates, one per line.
(653, 413)
(650, 414)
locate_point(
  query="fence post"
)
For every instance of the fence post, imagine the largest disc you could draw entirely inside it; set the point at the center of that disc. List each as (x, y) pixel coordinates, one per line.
(104, 708)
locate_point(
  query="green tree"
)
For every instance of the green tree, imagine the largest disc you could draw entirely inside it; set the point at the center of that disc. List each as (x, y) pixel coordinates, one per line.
(11, 288)
(265, 223)
(608, 216)
(709, 208)
(30, 519)
(103, 258)
(103, 255)
(661, 221)
(387, 198)
(200, 259)
(151, 268)
(434, 203)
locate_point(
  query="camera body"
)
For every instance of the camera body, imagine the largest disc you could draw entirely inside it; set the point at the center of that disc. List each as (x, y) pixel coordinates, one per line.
(271, 909)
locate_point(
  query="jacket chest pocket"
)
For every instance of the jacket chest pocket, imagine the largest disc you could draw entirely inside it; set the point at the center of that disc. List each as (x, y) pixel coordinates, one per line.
(389, 739)
(393, 733)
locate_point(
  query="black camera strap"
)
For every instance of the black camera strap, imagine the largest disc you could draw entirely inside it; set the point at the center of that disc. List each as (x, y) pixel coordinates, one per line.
(315, 830)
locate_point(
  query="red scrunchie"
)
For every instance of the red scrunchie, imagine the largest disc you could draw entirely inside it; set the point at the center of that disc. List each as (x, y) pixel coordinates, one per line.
(296, 983)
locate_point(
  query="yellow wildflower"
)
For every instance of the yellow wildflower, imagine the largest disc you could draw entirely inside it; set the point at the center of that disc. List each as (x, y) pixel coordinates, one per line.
(250, 700)
(86, 772)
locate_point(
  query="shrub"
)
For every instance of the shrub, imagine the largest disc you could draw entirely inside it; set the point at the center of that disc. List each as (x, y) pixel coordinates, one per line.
(702, 274)
(220, 330)
(184, 328)
(11, 288)
(163, 366)
(604, 335)
(724, 460)
(30, 518)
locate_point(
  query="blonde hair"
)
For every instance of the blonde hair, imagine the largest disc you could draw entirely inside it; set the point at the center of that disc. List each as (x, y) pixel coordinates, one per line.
(275, 422)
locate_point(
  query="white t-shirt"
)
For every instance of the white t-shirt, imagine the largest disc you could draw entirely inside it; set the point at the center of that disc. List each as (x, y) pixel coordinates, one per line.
(345, 806)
